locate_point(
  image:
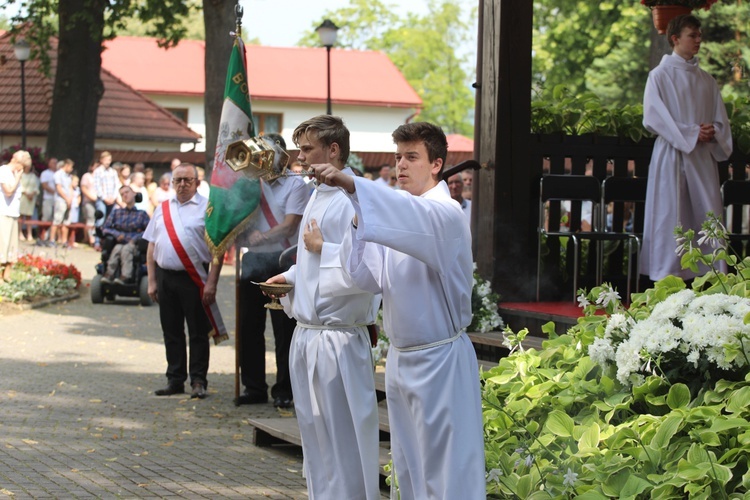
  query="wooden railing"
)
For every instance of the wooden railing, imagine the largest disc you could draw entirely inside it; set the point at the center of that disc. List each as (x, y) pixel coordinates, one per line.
(601, 157)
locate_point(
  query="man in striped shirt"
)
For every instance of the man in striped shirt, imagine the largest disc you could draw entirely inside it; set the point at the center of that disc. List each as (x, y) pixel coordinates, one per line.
(106, 184)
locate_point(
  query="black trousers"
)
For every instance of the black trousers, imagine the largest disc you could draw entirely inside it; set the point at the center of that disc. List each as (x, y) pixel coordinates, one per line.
(260, 267)
(180, 303)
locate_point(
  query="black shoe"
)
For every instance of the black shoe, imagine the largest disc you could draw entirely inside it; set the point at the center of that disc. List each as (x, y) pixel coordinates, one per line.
(199, 391)
(283, 402)
(170, 389)
(247, 398)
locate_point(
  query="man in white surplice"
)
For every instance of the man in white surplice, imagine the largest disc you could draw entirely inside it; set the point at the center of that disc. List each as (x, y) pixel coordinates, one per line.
(414, 247)
(682, 105)
(330, 361)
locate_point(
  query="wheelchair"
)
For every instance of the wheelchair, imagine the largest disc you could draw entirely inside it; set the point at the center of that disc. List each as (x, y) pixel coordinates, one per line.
(131, 286)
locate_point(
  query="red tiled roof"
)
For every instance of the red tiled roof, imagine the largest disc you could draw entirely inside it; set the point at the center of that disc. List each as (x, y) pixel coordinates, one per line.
(458, 142)
(124, 113)
(295, 74)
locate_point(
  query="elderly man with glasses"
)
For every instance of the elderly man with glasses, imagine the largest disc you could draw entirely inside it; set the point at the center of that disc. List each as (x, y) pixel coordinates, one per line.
(182, 279)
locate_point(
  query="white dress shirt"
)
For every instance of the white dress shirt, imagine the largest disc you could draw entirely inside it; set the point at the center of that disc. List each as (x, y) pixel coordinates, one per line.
(192, 213)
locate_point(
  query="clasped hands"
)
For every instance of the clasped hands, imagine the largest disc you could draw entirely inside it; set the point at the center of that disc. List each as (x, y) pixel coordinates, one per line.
(707, 132)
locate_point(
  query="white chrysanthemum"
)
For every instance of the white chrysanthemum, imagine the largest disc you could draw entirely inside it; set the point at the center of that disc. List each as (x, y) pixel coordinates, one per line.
(628, 360)
(601, 351)
(618, 324)
(673, 306)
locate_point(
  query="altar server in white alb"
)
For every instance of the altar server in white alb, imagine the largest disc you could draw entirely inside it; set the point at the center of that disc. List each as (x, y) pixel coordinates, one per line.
(330, 361)
(414, 246)
(682, 105)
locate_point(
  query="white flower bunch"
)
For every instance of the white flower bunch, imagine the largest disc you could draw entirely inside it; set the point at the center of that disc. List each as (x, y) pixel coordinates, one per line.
(684, 328)
(380, 350)
(484, 307)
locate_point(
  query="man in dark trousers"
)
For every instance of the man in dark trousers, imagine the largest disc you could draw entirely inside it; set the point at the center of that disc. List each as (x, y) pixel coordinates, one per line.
(180, 281)
(275, 228)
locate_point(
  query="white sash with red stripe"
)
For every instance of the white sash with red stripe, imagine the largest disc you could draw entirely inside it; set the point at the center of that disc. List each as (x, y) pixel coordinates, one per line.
(194, 267)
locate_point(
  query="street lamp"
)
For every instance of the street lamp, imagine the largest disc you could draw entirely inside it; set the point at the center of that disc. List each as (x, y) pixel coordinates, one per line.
(22, 50)
(327, 33)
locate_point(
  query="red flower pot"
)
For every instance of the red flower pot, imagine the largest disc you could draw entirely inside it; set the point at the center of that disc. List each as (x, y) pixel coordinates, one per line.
(662, 14)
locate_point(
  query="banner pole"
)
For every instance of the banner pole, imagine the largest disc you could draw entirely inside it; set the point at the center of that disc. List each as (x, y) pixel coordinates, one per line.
(237, 323)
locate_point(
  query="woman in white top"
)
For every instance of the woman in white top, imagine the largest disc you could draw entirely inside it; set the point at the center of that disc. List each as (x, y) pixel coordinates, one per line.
(164, 191)
(30, 189)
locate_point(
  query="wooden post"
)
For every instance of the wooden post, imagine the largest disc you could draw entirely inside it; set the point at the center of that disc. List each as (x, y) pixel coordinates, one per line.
(508, 187)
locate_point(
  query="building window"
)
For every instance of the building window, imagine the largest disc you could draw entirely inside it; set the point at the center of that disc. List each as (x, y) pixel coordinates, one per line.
(180, 113)
(267, 123)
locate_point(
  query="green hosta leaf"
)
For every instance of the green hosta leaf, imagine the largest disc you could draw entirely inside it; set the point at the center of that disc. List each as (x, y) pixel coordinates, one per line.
(698, 491)
(744, 439)
(746, 480)
(678, 397)
(693, 472)
(697, 455)
(666, 491)
(615, 483)
(665, 431)
(721, 473)
(560, 424)
(503, 378)
(739, 400)
(590, 438)
(703, 413)
(524, 486)
(708, 438)
(634, 486)
(589, 495)
(724, 424)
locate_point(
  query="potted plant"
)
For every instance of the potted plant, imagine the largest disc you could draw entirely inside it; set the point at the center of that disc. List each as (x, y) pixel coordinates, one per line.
(664, 11)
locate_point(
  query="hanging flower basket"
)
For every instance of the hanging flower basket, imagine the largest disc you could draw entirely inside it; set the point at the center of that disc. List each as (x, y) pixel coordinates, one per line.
(662, 14)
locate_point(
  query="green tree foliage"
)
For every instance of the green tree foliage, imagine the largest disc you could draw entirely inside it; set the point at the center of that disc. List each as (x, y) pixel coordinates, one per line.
(192, 22)
(603, 47)
(423, 48)
(725, 52)
(592, 46)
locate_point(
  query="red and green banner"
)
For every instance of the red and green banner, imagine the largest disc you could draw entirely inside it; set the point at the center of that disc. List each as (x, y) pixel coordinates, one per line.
(234, 197)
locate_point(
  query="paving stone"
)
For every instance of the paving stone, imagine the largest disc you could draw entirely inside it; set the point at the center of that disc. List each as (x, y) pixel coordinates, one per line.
(78, 418)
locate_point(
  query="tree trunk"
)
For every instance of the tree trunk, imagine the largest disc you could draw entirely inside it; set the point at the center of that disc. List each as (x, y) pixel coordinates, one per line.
(78, 85)
(219, 19)
(659, 47)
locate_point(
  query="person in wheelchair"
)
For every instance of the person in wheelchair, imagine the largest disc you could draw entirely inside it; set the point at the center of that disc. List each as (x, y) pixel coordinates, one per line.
(125, 226)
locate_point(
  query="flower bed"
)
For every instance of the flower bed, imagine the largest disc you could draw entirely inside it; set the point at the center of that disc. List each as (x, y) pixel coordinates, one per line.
(34, 277)
(652, 401)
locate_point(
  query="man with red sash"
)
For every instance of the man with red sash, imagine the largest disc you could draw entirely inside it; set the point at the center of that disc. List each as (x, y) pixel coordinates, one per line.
(180, 281)
(274, 228)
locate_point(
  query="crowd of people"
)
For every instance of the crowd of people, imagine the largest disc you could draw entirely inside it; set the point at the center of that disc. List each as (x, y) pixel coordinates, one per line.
(55, 198)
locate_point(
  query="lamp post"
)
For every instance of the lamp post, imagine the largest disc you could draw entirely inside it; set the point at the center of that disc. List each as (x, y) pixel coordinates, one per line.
(327, 33)
(22, 50)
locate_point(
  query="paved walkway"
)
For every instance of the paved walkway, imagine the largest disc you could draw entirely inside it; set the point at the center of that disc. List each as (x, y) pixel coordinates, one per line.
(78, 418)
